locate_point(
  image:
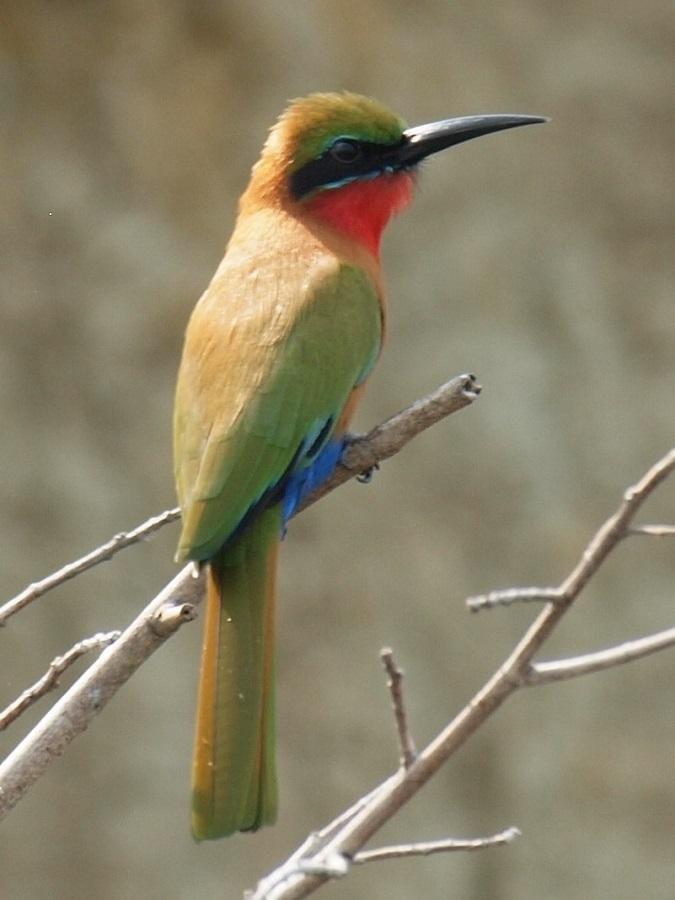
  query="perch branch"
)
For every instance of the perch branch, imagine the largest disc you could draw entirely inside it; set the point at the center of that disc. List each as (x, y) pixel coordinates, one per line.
(89, 694)
(50, 679)
(361, 455)
(385, 440)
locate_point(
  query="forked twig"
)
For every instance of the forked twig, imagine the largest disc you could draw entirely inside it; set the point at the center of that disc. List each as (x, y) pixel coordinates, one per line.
(615, 529)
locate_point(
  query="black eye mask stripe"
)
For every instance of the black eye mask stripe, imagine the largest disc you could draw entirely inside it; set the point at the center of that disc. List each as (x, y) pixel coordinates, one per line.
(326, 170)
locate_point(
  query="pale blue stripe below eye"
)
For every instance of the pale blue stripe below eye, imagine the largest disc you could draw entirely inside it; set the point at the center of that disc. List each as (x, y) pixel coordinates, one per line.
(337, 184)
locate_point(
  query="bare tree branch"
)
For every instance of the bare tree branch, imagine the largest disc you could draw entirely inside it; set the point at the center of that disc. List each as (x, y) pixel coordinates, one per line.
(316, 861)
(177, 602)
(395, 685)
(50, 679)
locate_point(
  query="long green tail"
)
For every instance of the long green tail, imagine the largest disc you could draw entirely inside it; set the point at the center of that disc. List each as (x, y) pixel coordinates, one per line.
(234, 786)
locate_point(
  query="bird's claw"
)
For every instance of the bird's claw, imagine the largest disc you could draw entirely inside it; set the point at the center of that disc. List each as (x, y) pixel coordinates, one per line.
(367, 476)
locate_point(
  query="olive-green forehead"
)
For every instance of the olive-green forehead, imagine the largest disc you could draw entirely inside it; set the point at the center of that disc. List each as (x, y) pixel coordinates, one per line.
(313, 142)
(313, 123)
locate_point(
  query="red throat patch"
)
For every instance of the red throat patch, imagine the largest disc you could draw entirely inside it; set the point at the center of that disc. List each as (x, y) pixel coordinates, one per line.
(361, 209)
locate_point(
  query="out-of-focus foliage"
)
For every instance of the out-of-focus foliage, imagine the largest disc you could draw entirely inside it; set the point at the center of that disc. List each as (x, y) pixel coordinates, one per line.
(541, 259)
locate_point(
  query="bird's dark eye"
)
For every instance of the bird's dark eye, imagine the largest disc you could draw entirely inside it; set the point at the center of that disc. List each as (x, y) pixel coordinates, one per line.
(344, 151)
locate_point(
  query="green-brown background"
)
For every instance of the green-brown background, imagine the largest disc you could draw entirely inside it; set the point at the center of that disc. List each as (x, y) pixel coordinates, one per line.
(540, 259)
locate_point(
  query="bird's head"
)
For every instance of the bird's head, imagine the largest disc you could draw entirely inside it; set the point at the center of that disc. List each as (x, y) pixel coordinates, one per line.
(347, 161)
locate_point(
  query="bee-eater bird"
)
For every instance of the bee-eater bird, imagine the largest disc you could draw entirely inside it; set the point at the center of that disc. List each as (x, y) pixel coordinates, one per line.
(276, 356)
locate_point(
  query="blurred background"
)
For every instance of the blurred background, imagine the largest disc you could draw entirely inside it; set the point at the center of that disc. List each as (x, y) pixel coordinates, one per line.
(540, 259)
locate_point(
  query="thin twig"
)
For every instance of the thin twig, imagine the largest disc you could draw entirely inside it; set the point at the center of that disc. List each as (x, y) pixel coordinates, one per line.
(513, 595)
(100, 554)
(89, 694)
(50, 679)
(652, 530)
(426, 848)
(361, 455)
(395, 685)
(574, 666)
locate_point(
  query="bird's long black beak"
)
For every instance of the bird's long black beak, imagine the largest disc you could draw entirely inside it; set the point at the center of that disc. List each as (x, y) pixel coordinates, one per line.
(423, 140)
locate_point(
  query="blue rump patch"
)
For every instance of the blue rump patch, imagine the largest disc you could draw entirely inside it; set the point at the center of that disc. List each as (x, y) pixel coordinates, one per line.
(303, 481)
